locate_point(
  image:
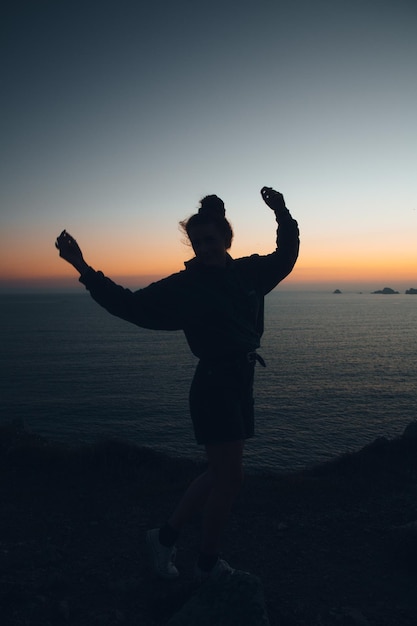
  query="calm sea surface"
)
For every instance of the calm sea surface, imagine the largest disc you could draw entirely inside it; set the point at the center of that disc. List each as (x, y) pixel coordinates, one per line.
(341, 371)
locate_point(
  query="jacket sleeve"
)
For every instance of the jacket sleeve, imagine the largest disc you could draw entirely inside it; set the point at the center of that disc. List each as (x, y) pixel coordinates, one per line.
(272, 268)
(158, 306)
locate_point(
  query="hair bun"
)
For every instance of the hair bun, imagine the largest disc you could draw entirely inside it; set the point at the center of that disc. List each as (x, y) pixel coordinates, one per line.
(212, 205)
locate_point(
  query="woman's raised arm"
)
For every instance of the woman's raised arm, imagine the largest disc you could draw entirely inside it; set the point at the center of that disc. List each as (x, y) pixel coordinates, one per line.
(70, 251)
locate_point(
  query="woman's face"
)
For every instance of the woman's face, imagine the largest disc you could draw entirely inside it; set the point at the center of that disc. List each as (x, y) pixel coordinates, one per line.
(208, 245)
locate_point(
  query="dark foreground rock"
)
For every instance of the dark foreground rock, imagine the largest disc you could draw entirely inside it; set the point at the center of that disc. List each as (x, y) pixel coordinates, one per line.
(335, 545)
(235, 600)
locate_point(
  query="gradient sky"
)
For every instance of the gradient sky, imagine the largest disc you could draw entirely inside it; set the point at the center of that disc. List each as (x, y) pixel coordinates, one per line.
(117, 117)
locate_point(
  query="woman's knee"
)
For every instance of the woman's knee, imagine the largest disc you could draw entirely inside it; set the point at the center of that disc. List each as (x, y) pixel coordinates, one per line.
(236, 479)
(225, 465)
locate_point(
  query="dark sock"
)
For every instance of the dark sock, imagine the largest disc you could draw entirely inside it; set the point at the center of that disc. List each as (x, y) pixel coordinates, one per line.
(206, 562)
(168, 536)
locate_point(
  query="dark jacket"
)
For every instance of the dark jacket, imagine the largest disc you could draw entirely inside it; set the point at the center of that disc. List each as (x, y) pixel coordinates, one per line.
(220, 310)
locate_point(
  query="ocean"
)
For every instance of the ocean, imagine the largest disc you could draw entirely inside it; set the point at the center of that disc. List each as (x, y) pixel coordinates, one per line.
(341, 371)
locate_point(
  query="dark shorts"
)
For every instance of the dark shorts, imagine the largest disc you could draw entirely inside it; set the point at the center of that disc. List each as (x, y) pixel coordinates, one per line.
(221, 401)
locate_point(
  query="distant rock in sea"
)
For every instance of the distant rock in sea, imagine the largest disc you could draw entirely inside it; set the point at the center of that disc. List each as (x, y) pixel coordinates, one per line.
(386, 290)
(337, 291)
(412, 291)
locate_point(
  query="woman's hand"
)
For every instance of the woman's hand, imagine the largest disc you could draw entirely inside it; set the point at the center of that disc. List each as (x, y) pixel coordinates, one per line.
(70, 251)
(273, 199)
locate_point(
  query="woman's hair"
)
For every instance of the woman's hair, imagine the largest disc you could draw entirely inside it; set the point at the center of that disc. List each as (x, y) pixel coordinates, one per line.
(211, 211)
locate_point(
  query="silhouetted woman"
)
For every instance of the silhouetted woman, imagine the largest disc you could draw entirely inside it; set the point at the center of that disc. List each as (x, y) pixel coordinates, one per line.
(219, 304)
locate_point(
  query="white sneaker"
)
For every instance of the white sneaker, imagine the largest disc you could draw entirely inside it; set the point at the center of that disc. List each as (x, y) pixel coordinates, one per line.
(222, 568)
(162, 558)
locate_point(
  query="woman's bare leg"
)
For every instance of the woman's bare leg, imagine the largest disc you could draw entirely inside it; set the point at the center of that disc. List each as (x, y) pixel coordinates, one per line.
(213, 493)
(193, 500)
(225, 463)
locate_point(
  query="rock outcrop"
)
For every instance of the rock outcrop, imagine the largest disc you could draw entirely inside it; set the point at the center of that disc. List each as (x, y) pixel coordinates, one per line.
(386, 291)
(233, 600)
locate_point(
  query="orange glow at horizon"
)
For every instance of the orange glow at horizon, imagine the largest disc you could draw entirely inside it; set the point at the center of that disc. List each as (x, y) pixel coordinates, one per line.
(29, 261)
(23, 259)
(312, 269)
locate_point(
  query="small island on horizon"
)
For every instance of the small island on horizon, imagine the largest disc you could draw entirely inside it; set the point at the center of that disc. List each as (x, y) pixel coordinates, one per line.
(389, 291)
(386, 291)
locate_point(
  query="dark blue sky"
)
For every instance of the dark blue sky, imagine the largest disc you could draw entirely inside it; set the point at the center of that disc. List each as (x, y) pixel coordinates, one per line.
(118, 117)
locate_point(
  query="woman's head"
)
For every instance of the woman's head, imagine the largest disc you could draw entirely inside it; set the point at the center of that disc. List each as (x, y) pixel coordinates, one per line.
(209, 232)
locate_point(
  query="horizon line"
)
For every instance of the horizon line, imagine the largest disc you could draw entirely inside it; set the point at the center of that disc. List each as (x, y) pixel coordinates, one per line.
(72, 285)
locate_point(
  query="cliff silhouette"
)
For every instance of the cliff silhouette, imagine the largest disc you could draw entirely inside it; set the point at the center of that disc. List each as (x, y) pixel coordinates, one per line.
(335, 544)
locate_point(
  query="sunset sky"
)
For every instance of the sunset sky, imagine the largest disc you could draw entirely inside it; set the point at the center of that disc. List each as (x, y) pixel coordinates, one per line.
(118, 116)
